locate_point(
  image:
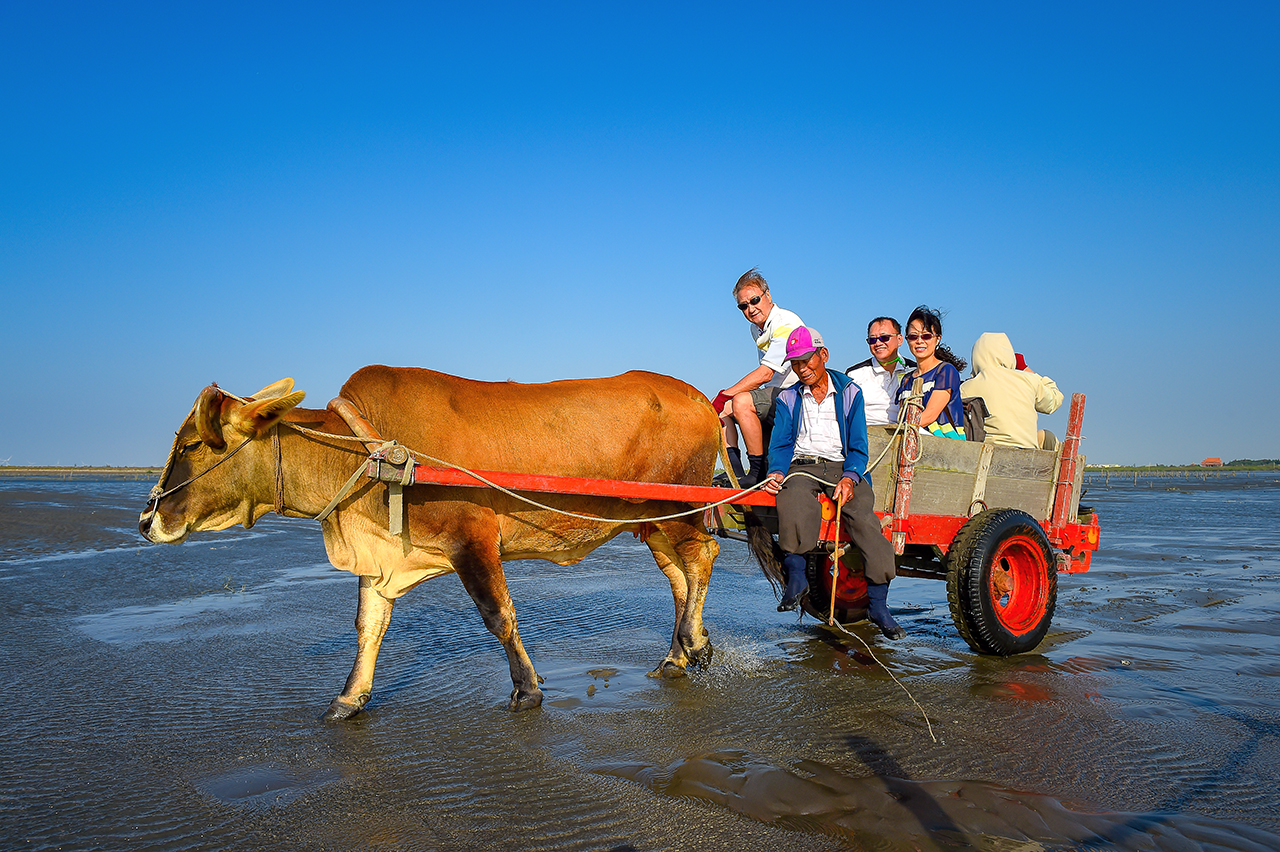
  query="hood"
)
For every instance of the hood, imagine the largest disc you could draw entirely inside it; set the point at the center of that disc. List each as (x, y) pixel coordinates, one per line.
(993, 349)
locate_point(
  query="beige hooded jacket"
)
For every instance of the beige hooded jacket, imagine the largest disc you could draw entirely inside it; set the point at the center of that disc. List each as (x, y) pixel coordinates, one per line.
(1012, 396)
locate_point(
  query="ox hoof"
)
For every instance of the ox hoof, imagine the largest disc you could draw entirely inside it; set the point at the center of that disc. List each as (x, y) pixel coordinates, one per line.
(701, 657)
(341, 710)
(668, 669)
(525, 700)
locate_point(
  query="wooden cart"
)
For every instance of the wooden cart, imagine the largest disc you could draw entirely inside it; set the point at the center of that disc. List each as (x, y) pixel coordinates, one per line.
(997, 523)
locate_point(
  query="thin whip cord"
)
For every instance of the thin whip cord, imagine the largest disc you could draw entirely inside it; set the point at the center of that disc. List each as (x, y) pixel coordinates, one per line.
(894, 677)
(831, 618)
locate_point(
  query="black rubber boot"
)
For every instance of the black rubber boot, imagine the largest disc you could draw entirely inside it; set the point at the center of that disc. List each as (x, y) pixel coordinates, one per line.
(878, 611)
(756, 471)
(735, 461)
(797, 582)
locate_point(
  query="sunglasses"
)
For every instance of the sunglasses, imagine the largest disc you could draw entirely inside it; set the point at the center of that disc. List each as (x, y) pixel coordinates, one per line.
(884, 338)
(753, 301)
(926, 337)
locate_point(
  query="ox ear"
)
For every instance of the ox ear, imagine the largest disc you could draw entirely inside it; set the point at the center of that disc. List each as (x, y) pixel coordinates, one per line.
(275, 390)
(209, 417)
(256, 417)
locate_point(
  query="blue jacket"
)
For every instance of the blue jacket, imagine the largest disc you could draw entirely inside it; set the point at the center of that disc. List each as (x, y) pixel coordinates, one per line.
(851, 416)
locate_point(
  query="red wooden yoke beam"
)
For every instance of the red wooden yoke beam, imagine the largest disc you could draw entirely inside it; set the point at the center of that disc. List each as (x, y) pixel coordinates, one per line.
(422, 474)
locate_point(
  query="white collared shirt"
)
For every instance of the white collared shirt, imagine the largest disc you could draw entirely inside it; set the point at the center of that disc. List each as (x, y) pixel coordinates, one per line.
(880, 387)
(818, 432)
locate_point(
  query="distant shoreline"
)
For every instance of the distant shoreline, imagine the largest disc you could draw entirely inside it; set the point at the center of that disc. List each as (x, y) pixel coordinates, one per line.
(52, 472)
(105, 472)
(1178, 468)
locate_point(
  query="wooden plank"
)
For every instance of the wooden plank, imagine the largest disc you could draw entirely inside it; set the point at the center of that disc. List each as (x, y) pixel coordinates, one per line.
(949, 454)
(1019, 494)
(908, 454)
(1053, 492)
(1077, 487)
(950, 493)
(885, 475)
(1062, 512)
(1019, 463)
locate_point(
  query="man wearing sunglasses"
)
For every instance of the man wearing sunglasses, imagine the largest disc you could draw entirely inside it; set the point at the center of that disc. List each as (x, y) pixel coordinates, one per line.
(820, 444)
(747, 405)
(880, 375)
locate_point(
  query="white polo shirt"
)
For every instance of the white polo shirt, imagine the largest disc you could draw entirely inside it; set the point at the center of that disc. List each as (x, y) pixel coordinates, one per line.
(772, 343)
(880, 387)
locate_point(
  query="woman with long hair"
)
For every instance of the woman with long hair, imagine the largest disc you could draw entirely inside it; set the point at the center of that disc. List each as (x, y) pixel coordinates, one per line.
(943, 413)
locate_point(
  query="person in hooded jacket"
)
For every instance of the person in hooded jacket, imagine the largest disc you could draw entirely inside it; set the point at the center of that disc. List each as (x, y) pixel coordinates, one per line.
(1013, 396)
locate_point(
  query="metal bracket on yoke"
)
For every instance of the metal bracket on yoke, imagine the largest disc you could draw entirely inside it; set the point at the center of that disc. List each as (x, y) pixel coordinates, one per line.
(388, 461)
(393, 465)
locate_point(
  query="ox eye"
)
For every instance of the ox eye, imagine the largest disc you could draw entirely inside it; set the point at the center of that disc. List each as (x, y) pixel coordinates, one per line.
(186, 448)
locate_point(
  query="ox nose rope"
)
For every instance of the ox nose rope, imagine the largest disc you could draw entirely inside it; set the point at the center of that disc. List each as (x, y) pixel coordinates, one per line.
(157, 495)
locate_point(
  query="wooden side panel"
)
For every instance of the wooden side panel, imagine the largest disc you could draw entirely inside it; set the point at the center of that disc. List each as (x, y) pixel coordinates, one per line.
(950, 493)
(884, 475)
(1077, 486)
(948, 471)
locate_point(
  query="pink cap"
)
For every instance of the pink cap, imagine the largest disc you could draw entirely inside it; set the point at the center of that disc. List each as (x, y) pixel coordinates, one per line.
(802, 343)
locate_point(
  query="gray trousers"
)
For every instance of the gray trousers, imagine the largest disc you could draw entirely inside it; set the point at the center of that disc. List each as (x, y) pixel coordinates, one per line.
(800, 516)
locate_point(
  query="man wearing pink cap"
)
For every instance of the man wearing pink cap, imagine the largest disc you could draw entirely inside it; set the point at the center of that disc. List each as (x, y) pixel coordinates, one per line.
(820, 433)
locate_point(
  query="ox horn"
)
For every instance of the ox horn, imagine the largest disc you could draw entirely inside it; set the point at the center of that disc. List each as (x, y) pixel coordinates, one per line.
(275, 390)
(209, 417)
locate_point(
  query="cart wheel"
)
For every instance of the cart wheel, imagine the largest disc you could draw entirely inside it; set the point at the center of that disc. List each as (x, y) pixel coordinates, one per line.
(1002, 582)
(851, 590)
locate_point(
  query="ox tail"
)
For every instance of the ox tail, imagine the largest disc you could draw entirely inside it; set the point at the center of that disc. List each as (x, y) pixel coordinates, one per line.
(724, 452)
(766, 550)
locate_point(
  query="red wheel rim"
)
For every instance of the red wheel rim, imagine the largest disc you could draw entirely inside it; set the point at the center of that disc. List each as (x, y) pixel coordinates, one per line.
(851, 590)
(1017, 586)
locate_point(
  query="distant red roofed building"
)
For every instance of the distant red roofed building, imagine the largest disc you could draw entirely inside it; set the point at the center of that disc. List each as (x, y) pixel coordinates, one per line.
(1213, 462)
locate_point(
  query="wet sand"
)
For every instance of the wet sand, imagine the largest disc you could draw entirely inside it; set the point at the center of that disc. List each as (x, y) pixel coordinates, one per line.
(166, 698)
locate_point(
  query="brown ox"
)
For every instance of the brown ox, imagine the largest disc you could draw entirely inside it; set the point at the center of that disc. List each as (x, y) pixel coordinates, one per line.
(637, 426)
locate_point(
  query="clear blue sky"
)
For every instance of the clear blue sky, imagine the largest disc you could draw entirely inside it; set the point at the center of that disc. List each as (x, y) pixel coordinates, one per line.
(241, 192)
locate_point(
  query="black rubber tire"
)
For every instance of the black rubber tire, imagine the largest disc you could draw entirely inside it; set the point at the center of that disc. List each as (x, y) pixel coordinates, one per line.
(1002, 582)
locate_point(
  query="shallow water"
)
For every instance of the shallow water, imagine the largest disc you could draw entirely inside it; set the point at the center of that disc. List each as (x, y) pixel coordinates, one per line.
(162, 697)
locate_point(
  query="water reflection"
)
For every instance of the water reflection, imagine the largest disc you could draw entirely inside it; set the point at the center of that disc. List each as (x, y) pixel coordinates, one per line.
(1146, 720)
